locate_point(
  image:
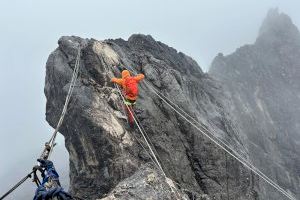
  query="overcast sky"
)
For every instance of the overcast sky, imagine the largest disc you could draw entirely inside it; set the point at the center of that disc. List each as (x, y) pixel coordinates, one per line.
(30, 30)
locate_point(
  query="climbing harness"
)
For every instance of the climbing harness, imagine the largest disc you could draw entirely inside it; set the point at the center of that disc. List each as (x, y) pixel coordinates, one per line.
(129, 102)
(128, 107)
(51, 143)
(216, 140)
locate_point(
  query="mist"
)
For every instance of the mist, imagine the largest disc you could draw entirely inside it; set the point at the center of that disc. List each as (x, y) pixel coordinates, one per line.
(30, 30)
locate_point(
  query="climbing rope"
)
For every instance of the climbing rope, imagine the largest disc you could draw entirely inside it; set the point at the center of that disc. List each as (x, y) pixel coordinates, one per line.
(119, 91)
(154, 157)
(67, 100)
(216, 140)
(253, 168)
(50, 145)
(17, 185)
(168, 180)
(141, 129)
(237, 156)
(147, 136)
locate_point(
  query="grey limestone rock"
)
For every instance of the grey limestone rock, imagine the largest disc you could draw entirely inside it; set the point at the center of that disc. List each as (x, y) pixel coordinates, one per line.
(105, 153)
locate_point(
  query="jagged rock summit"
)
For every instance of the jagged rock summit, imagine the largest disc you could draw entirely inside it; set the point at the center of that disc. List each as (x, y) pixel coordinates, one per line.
(277, 27)
(106, 158)
(263, 82)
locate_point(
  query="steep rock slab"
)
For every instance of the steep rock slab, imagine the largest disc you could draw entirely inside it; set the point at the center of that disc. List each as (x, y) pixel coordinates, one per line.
(104, 151)
(146, 183)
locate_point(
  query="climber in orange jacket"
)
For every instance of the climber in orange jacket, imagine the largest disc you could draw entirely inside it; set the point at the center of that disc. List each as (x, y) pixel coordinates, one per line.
(130, 91)
(130, 86)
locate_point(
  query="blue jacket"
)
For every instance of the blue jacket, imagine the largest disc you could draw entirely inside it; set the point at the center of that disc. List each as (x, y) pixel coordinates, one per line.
(51, 177)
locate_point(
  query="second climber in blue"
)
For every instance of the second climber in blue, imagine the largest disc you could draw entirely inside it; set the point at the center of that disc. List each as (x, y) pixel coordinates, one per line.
(50, 186)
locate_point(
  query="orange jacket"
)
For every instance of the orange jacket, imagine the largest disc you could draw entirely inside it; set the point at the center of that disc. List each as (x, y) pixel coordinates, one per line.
(121, 81)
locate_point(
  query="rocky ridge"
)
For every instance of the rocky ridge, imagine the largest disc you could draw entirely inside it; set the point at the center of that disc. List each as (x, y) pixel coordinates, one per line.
(106, 160)
(262, 79)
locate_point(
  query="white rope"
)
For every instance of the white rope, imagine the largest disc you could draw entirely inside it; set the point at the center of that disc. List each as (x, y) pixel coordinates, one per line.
(136, 120)
(147, 136)
(168, 180)
(140, 129)
(51, 142)
(119, 91)
(155, 161)
(154, 156)
(237, 156)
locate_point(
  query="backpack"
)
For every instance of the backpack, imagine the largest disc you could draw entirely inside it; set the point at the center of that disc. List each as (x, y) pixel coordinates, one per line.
(131, 87)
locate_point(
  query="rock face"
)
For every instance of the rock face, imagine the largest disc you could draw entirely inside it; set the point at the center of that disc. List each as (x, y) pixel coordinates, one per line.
(106, 159)
(146, 183)
(263, 82)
